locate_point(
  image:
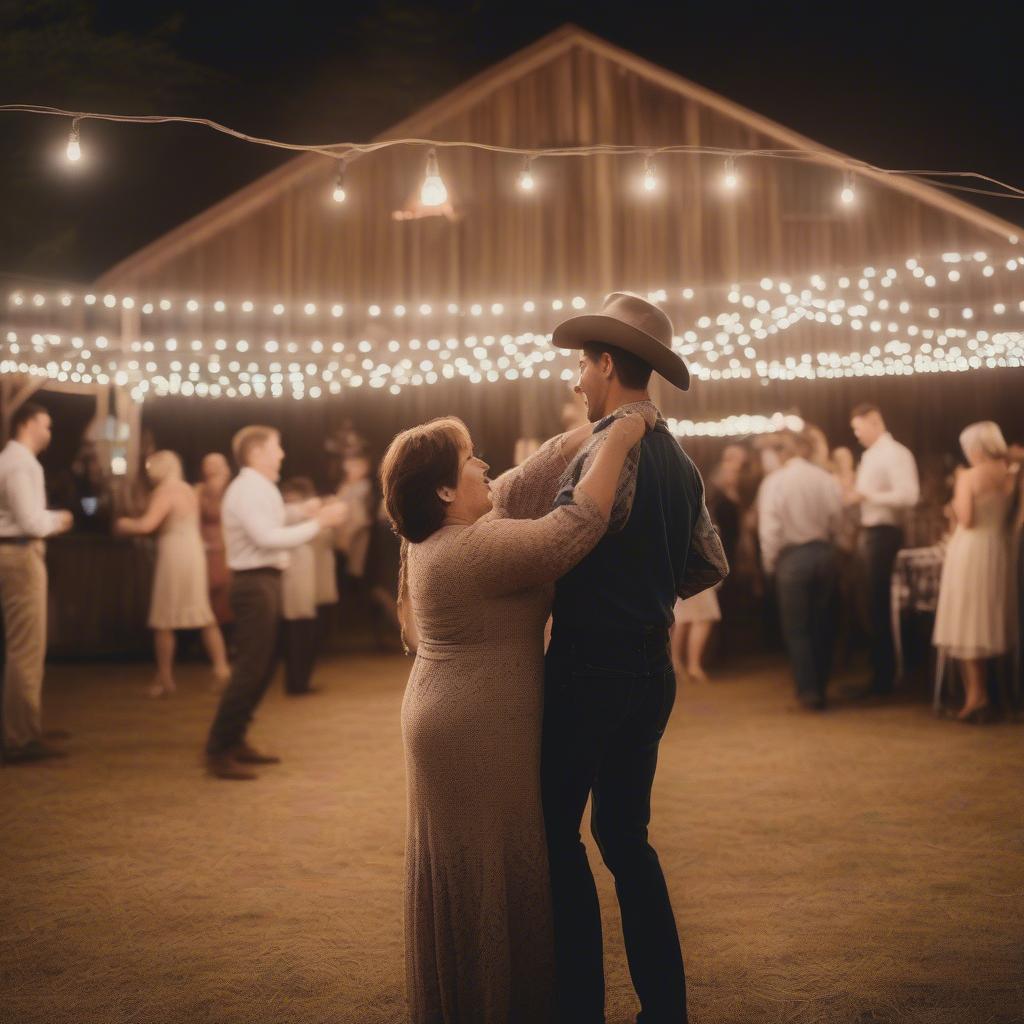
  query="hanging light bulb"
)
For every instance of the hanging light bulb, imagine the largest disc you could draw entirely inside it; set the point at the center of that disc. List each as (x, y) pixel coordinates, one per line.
(74, 150)
(433, 192)
(650, 179)
(730, 180)
(339, 195)
(848, 195)
(526, 182)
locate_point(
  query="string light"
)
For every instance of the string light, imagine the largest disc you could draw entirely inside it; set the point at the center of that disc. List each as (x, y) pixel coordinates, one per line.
(650, 182)
(74, 150)
(730, 179)
(433, 192)
(848, 195)
(526, 182)
(339, 195)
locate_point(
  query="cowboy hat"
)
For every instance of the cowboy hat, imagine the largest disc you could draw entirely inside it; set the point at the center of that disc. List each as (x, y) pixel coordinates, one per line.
(631, 323)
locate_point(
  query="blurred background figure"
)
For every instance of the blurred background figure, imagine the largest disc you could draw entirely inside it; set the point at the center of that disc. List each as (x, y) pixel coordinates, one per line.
(210, 492)
(972, 621)
(352, 537)
(180, 597)
(382, 570)
(694, 619)
(886, 490)
(815, 445)
(85, 488)
(300, 638)
(849, 618)
(326, 569)
(24, 521)
(798, 514)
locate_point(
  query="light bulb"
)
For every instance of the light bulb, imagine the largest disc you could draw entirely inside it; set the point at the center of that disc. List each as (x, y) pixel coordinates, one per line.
(526, 182)
(74, 150)
(650, 179)
(338, 195)
(433, 192)
(848, 196)
(730, 180)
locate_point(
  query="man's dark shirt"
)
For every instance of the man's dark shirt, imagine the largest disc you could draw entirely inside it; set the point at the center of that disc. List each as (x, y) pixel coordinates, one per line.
(629, 580)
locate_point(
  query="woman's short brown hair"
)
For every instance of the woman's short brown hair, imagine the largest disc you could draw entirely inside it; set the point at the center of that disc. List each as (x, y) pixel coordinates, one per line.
(416, 464)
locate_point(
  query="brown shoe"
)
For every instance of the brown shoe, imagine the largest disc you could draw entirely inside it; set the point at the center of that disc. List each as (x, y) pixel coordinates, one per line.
(224, 766)
(244, 754)
(34, 750)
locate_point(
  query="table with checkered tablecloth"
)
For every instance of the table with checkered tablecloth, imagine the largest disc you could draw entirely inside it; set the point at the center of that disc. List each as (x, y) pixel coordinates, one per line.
(916, 576)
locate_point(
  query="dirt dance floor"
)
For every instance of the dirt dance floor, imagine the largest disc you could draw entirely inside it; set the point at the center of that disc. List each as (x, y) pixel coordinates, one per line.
(862, 866)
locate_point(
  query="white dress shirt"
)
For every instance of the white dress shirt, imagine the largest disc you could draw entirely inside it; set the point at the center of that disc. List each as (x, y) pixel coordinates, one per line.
(887, 480)
(23, 495)
(796, 504)
(253, 518)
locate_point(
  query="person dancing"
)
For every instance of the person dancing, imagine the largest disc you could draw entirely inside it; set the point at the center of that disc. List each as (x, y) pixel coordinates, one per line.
(258, 539)
(477, 564)
(180, 595)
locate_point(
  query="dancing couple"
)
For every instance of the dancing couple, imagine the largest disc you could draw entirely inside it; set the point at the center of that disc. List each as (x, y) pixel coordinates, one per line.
(505, 745)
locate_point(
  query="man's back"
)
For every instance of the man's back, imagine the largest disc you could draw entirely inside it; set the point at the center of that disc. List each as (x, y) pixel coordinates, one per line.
(629, 581)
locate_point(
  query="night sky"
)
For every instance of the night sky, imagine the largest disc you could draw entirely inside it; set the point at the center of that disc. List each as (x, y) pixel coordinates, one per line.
(901, 85)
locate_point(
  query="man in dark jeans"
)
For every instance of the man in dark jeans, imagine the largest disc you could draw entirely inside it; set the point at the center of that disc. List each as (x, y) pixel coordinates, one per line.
(887, 488)
(798, 510)
(609, 683)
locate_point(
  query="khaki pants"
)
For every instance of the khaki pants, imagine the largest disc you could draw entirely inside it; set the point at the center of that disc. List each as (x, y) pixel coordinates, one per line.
(23, 601)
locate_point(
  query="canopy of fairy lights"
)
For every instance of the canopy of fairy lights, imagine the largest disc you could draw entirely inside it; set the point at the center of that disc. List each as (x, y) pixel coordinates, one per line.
(217, 347)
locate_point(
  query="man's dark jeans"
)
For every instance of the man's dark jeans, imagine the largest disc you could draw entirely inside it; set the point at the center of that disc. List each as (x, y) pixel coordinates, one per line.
(607, 701)
(255, 598)
(879, 546)
(807, 580)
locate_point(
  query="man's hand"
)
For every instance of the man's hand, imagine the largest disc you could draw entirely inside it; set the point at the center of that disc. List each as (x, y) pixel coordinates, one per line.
(310, 507)
(65, 520)
(851, 498)
(332, 514)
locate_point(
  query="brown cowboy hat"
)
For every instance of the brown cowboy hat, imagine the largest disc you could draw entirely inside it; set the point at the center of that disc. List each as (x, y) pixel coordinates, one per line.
(631, 323)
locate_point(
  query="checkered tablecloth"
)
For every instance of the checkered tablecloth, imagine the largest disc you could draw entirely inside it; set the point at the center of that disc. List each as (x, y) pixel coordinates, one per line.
(916, 576)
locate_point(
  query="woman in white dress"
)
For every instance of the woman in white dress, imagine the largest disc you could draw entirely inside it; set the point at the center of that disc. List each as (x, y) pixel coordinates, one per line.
(180, 597)
(972, 621)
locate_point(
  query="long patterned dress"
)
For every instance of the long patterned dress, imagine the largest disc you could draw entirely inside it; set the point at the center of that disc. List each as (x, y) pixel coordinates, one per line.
(477, 903)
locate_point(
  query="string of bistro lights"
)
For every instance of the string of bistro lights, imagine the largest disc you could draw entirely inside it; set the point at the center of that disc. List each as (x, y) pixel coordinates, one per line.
(312, 349)
(434, 191)
(902, 336)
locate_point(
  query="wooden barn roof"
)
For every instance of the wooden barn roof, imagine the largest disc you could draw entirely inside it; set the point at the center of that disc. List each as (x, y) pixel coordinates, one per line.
(252, 197)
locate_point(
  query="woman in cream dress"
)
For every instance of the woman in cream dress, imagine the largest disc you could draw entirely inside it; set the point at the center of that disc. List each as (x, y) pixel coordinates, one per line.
(975, 609)
(478, 914)
(180, 597)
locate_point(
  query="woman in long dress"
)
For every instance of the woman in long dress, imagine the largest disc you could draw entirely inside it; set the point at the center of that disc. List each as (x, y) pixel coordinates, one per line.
(210, 491)
(973, 617)
(180, 597)
(478, 913)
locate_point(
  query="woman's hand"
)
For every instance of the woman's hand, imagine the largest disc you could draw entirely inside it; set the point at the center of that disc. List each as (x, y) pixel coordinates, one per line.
(123, 527)
(629, 429)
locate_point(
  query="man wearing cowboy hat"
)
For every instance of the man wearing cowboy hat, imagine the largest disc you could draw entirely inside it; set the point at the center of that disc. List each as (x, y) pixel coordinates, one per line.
(609, 682)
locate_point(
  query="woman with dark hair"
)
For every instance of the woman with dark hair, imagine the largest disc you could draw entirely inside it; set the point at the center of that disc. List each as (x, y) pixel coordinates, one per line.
(477, 564)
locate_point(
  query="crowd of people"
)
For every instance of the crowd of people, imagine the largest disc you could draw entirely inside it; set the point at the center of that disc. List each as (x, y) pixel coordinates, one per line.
(214, 542)
(806, 529)
(820, 532)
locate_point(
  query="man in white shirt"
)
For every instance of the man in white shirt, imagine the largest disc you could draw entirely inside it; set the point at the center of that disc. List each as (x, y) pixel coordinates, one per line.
(886, 487)
(24, 521)
(257, 536)
(798, 508)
